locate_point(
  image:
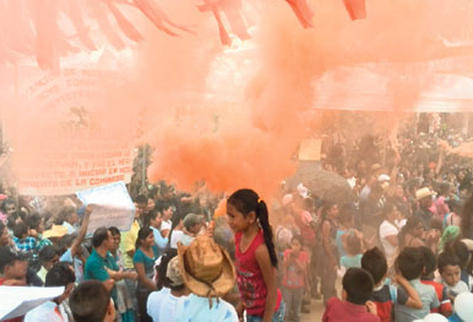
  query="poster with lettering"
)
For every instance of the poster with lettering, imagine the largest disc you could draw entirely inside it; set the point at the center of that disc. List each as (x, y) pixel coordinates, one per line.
(113, 206)
(65, 136)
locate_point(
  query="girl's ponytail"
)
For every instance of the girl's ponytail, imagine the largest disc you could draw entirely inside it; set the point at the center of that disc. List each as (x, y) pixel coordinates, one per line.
(246, 201)
(263, 218)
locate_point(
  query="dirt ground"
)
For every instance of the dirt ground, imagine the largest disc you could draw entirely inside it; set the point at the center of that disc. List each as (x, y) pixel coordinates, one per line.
(316, 311)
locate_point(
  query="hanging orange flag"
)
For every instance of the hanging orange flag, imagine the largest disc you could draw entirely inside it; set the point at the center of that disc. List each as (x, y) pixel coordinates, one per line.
(303, 12)
(356, 9)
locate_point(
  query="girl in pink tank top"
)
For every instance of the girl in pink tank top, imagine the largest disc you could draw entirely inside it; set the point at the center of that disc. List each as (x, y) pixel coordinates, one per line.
(256, 260)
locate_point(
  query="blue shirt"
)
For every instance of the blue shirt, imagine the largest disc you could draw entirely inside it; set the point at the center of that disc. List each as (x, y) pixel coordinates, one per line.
(351, 261)
(159, 239)
(148, 262)
(78, 265)
(429, 300)
(196, 309)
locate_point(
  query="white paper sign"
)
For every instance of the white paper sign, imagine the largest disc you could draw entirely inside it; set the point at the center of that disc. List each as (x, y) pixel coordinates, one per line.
(114, 206)
(19, 300)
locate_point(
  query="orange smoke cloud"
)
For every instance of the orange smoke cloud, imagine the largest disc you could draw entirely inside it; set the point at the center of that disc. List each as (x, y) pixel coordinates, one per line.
(236, 119)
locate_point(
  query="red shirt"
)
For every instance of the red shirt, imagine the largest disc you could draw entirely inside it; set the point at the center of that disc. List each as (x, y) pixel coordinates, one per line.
(17, 319)
(341, 311)
(441, 291)
(250, 280)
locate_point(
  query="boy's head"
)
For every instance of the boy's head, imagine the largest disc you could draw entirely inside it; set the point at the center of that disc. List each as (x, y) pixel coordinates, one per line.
(48, 256)
(375, 263)
(410, 263)
(449, 268)
(357, 286)
(12, 265)
(90, 302)
(61, 274)
(20, 230)
(430, 262)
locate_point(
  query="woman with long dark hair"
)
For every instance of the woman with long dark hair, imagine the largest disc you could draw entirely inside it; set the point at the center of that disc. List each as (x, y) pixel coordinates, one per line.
(146, 254)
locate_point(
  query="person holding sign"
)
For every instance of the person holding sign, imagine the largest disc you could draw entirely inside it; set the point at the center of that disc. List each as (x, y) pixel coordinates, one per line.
(73, 253)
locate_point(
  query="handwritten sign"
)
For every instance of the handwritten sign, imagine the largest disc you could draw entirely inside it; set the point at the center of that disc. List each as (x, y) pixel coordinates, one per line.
(19, 300)
(70, 140)
(114, 206)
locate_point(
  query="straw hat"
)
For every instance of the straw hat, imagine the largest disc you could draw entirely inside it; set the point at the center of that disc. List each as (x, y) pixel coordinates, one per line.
(206, 268)
(423, 193)
(56, 231)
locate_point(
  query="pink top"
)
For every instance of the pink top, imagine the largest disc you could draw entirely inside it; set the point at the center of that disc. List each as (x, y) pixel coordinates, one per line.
(250, 280)
(294, 277)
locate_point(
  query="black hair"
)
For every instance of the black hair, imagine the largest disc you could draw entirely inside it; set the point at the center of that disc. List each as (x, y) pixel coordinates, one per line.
(8, 257)
(100, 235)
(455, 206)
(61, 274)
(460, 250)
(150, 216)
(66, 242)
(327, 205)
(358, 284)
(163, 281)
(410, 263)
(410, 226)
(33, 220)
(375, 263)
(47, 253)
(447, 258)
(7, 202)
(20, 230)
(114, 230)
(89, 302)
(141, 199)
(64, 214)
(163, 205)
(2, 227)
(246, 201)
(430, 262)
(466, 224)
(142, 234)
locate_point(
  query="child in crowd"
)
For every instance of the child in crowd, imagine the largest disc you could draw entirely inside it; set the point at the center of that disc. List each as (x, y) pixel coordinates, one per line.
(430, 264)
(450, 271)
(384, 295)
(357, 288)
(256, 259)
(410, 264)
(295, 269)
(353, 251)
(459, 248)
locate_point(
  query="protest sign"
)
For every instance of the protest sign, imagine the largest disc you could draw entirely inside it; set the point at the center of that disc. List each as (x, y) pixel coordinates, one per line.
(310, 150)
(67, 143)
(113, 206)
(18, 300)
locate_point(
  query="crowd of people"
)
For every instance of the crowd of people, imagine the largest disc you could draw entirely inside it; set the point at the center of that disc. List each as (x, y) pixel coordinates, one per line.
(400, 251)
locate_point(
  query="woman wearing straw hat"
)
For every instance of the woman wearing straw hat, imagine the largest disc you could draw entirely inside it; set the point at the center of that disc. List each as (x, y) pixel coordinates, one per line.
(209, 274)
